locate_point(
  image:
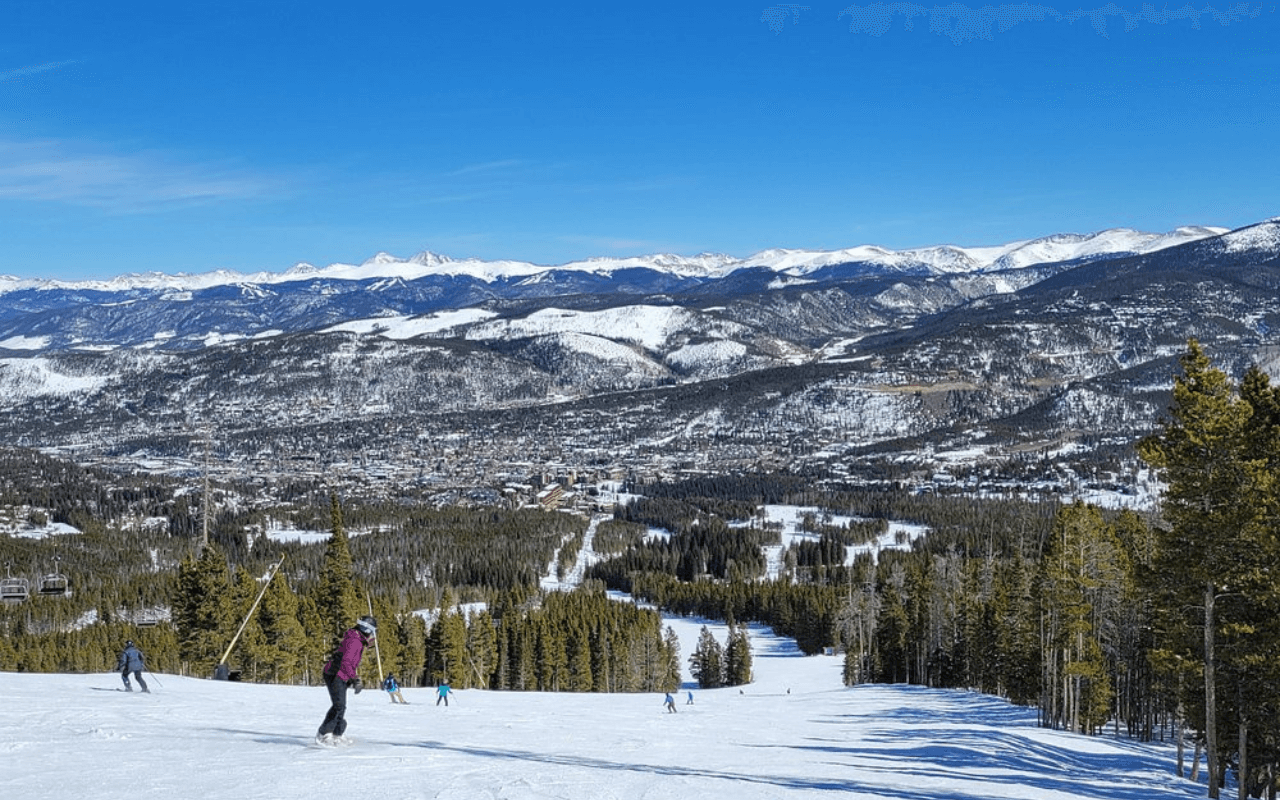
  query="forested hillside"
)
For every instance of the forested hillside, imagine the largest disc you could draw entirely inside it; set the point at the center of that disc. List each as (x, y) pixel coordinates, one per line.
(1149, 625)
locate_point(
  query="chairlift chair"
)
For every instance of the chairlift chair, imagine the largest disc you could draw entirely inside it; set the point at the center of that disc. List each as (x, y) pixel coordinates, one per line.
(55, 584)
(14, 590)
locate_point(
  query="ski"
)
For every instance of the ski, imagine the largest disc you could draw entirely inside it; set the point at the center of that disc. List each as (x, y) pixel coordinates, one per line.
(331, 743)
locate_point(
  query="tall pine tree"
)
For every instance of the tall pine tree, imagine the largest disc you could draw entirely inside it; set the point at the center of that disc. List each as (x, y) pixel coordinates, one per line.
(336, 597)
(707, 661)
(202, 610)
(1201, 451)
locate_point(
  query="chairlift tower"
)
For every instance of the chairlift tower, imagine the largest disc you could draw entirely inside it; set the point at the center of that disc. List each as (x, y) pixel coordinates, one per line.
(204, 499)
(205, 505)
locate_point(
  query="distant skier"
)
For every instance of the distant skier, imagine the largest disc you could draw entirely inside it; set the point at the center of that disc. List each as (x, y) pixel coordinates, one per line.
(670, 703)
(132, 660)
(339, 673)
(689, 702)
(442, 693)
(392, 688)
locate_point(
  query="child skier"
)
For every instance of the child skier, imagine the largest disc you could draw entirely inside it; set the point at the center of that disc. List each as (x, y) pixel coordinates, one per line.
(339, 673)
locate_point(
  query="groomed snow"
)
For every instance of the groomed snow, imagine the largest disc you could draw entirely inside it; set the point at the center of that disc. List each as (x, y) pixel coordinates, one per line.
(795, 732)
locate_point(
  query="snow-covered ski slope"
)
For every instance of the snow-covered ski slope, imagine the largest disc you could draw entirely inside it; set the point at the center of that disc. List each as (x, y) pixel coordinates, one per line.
(796, 732)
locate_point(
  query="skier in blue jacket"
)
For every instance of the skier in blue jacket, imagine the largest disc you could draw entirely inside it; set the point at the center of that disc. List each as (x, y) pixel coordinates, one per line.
(132, 660)
(392, 688)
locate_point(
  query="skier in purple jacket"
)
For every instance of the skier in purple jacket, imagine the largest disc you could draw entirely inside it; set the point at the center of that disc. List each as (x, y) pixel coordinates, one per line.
(339, 673)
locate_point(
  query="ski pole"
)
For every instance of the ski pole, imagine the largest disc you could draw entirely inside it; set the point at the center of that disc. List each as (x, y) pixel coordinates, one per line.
(154, 678)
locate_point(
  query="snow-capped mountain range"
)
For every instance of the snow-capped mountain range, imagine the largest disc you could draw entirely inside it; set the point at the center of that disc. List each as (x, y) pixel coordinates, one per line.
(942, 259)
(854, 361)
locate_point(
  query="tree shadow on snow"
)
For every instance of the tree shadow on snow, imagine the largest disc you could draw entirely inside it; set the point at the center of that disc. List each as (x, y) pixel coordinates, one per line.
(781, 781)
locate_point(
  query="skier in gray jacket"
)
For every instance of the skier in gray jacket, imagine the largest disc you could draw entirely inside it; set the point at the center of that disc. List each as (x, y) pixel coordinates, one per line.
(132, 660)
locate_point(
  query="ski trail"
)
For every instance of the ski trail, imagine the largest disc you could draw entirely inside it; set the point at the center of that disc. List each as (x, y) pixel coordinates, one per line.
(587, 556)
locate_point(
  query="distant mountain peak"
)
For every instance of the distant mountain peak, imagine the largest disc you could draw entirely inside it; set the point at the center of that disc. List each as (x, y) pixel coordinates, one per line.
(1262, 236)
(945, 259)
(429, 259)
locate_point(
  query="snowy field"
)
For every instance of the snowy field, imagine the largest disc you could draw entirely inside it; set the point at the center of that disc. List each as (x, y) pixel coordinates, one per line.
(796, 732)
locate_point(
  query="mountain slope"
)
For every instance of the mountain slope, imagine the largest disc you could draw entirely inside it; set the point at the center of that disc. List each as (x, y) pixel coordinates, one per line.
(760, 369)
(793, 733)
(183, 311)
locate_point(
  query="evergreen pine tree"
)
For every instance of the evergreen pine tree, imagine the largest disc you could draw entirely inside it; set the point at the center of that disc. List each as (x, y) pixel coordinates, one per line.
(707, 661)
(202, 610)
(250, 649)
(412, 633)
(482, 649)
(580, 678)
(738, 657)
(671, 677)
(336, 597)
(1084, 573)
(449, 651)
(1201, 451)
(893, 625)
(286, 642)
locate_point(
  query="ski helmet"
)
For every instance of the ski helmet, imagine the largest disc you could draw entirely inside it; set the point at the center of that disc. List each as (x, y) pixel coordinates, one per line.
(367, 625)
(129, 643)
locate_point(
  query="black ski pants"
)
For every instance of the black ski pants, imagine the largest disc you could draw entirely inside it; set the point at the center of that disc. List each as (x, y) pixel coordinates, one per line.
(335, 721)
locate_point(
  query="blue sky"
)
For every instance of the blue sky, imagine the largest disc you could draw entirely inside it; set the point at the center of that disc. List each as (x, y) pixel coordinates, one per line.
(186, 137)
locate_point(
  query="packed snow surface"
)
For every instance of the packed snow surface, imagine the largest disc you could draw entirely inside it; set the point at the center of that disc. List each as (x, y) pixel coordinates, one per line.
(795, 732)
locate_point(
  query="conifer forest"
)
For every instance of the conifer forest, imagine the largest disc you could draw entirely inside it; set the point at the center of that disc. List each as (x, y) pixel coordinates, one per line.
(1156, 624)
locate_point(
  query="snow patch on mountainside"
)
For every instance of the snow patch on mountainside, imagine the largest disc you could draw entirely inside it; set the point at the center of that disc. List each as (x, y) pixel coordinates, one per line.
(24, 343)
(697, 355)
(406, 327)
(1264, 236)
(23, 378)
(605, 350)
(216, 339)
(951, 260)
(649, 326)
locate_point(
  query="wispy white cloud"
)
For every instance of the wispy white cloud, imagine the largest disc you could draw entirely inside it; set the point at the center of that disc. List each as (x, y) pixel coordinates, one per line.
(488, 166)
(34, 69)
(67, 172)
